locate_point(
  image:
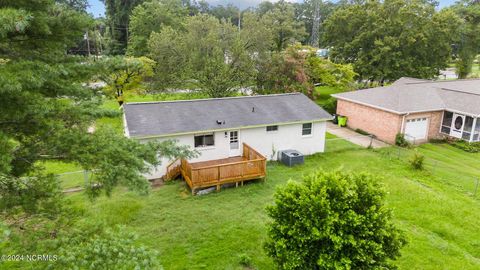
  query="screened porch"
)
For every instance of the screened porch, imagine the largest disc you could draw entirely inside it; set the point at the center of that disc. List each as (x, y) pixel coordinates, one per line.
(460, 126)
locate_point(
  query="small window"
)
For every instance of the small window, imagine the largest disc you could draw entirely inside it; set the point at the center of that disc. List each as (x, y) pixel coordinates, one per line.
(272, 128)
(307, 129)
(204, 140)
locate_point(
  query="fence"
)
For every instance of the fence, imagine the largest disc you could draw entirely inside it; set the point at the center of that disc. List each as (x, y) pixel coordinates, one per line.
(74, 181)
(454, 174)
(461, 177)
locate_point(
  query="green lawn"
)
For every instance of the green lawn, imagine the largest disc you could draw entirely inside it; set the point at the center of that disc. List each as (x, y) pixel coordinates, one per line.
(323, 93)
(475, 71)
(435, 208)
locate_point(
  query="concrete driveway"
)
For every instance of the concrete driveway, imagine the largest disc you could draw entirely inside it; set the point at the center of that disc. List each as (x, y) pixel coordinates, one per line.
(354, 137)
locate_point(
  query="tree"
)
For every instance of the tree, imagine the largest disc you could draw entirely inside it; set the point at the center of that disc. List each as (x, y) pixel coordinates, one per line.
(153, 16)
(46, 110)
(229, 13)
(97, 248)
(332, 220)
(118, 18)
(386, 40)
(281, 19)
(78, 5)
(298, 69)
(123, 74)
(468, 44)
(209, 55)
(305, 12)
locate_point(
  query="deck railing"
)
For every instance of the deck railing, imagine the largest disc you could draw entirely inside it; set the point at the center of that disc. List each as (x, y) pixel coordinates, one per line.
(253, 167)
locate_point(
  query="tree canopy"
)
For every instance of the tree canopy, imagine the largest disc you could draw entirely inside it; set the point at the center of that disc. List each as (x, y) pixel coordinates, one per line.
(386, 40)
(209, 54)
(47, 109)
(467, 44)
(153, 16)
(118, 18)
(299, 69)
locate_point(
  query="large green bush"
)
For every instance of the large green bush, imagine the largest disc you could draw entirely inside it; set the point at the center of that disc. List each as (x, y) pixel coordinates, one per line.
(401, 141)
(333, 220)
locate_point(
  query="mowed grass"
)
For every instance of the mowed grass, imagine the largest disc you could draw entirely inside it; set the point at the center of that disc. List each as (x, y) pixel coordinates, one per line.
(323, 93)
(435, 208)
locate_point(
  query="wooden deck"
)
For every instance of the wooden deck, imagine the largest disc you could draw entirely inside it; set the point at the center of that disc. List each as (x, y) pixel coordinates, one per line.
(251, 165)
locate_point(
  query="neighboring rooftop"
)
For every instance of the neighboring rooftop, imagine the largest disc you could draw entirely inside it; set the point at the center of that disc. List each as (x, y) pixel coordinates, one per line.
(408, 95)
(184, 116)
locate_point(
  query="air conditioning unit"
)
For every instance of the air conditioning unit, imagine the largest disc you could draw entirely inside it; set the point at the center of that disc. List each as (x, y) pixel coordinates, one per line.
(291, 157)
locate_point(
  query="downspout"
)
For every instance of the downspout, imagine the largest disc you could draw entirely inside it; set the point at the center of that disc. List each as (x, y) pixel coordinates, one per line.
(403, 122)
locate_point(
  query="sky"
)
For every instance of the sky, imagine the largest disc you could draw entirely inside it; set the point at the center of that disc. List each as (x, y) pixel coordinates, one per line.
(98, 9)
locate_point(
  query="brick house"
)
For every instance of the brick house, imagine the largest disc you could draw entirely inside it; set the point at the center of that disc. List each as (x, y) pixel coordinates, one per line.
(419, 109)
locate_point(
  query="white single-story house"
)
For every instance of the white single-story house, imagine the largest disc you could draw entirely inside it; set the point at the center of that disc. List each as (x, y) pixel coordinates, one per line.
(420, 109)
(221, 129)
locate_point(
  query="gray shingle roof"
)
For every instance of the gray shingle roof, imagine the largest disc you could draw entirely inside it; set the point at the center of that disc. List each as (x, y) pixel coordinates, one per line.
(413, 95)
(170, 117)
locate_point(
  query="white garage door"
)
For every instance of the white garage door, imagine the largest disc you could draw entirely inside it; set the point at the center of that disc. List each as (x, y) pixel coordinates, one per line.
(416, 129)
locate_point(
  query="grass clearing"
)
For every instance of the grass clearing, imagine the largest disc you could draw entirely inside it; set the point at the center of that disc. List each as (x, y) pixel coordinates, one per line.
(435, 207)
(323, 93)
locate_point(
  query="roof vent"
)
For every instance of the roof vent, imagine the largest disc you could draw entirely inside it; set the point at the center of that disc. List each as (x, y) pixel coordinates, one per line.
(253, 109)
(219, 122)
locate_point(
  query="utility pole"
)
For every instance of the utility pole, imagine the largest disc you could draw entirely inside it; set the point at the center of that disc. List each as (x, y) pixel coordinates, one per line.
(314, 39)
(88, 42)
(239, 19)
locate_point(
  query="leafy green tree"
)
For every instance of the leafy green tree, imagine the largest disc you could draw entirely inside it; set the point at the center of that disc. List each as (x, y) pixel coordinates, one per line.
(333, 220)
(79, 5)
(305, 12)
(286, 29)
(125, 74)
(118, 19)
(46, 110)
(153, 16)
(298, 69)
(325, 72)
(209, 55)
(229, 13)
(257, 37)
(468, 43)
(386, 40)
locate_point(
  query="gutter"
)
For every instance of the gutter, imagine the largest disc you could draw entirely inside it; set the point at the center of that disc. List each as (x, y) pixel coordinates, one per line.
(401, 113)
(230, 128)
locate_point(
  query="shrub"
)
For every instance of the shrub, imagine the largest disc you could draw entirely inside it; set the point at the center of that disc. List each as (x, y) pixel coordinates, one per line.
(401, 141)
(417, 160)
(98, 248)
(467, 146)
(332, 221)
(245, 260)
(439, 141)
(330, 105)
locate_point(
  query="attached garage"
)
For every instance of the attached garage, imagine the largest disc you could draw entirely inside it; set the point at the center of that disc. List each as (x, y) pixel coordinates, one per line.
(416, 129)
(419, 109)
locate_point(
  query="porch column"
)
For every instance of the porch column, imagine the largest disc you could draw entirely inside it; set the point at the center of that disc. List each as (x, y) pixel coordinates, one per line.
(473, 129)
